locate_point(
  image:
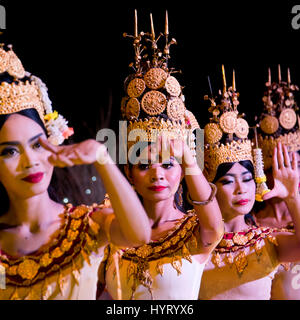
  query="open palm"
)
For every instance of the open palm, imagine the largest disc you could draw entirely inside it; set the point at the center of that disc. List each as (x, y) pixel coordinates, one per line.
(285, 174)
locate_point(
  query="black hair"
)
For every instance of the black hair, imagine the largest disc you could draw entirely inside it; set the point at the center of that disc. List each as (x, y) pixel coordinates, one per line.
(224, 168)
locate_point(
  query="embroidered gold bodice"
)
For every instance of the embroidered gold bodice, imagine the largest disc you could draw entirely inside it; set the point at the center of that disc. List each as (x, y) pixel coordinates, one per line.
(175, 246)
(77, 237)
(237, 242)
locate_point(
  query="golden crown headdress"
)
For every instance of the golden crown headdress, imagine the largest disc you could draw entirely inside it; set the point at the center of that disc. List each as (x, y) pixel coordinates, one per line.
(31, 93)
(154, 102)
(279, 121)
(226, 137)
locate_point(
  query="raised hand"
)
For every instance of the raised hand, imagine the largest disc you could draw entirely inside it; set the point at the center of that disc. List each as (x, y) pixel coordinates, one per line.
(177, 149)
(77, 154)
(285, 174)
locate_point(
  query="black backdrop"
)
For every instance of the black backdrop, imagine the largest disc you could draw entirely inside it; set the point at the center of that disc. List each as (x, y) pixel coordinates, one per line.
(77, 48)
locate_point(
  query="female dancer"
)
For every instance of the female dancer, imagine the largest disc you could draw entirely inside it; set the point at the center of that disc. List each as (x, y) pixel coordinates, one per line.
(51, 251)
(274, 212)
(180, 242)
(244, 263)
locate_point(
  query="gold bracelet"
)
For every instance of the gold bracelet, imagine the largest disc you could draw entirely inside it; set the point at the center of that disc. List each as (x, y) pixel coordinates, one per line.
(203, 203)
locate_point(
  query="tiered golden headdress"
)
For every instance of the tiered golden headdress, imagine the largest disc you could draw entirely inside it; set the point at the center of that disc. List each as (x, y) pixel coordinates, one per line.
(32, 93)
(279, 121)
(154, 102)
(226, 138)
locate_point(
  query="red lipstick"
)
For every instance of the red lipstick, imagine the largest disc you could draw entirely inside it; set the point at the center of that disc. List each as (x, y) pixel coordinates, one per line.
(242, 202)
(34, 178)
(157, 188)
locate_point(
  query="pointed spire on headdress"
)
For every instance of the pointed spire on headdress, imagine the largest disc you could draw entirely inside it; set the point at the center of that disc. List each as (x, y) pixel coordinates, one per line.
(152, 27)
(224, 79)
(233, 81)
(136, 33)
(279, 73)
(289, 77)
(167, 24)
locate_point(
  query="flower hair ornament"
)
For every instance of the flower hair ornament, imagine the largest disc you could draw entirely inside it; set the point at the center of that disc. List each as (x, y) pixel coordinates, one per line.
(32, 93)
(226, 137)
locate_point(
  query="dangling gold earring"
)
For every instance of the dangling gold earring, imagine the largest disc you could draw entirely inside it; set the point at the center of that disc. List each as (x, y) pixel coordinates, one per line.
(180, 192)
(180, 198)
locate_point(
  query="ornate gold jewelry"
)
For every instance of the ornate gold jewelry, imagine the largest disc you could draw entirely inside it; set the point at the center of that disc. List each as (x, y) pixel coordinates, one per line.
(159, 94)
(154, 102)
(133, 109)
(151, 128)
(269, 124)
(32, 94)
(11, 64)
(4, 61)
(290, 140)
(204, 203)
(212, 133)
(28, 270)
(173, 87)
(177, 244)
(288, 119)
(15, 67)
(215, 155)
(231, 248)
(124, 101)
(228, 125)
(155, 78)
(228, 122)
(242, 129)
(175, 109)
(21, 96)
(136, 87)
(279, 103)
(191, 120)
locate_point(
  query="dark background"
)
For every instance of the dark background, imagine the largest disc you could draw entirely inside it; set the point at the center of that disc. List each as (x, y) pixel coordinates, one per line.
(77, 48)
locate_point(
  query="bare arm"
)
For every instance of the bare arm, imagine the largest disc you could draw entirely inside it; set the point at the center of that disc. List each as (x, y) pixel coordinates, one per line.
(131, 226)
(209, 215)
(132, 219)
